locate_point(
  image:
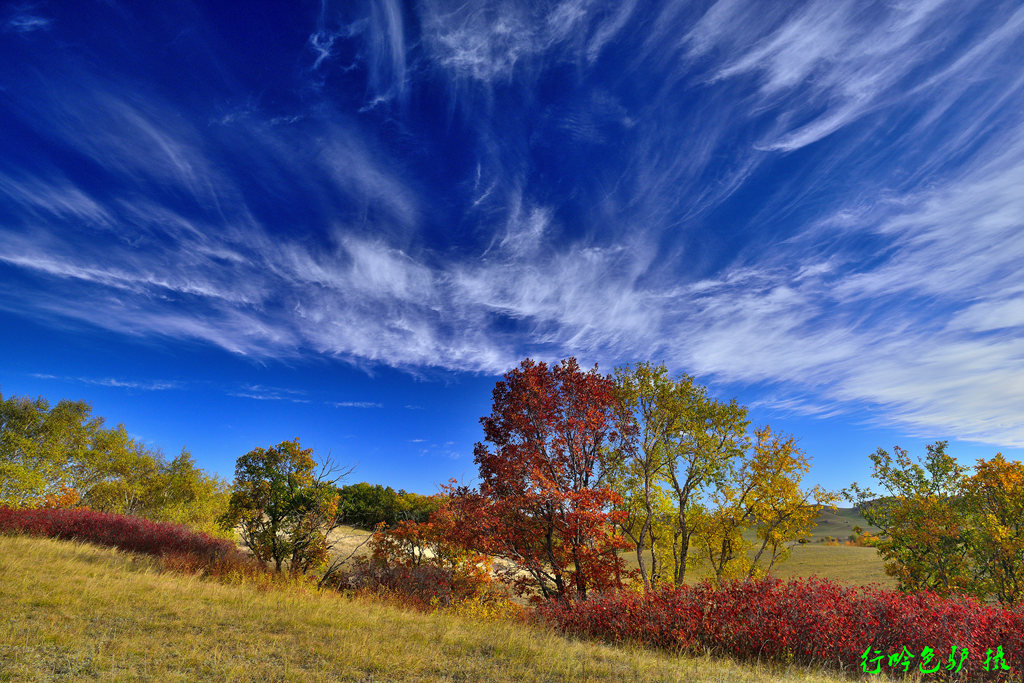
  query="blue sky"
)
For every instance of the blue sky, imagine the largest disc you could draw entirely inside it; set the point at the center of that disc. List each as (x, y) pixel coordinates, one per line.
(344, 220)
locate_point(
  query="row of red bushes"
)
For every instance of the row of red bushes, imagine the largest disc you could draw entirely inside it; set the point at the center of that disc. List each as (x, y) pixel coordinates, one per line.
(806, 621)
(119, 531)
(811, 621)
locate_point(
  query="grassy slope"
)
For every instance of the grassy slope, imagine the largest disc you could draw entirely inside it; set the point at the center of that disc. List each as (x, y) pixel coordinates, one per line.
(839, 524)
(861, 566)
(77, 612)
(844, 563)
(348, 539)
(850, 564)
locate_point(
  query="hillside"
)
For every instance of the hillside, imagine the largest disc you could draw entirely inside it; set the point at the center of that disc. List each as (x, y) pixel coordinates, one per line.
(74, 612)
(839, 524)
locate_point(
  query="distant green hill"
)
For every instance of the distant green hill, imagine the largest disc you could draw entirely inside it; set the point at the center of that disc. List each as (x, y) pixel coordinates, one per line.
(839, 524)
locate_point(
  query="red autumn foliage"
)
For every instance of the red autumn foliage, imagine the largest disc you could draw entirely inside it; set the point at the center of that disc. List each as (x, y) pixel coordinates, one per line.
(809, 621)
(541, 508)
(134, 534)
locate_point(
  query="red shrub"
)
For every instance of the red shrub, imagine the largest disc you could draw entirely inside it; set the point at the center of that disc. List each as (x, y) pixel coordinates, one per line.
(811, 621)
(119, 531)
(231, 568)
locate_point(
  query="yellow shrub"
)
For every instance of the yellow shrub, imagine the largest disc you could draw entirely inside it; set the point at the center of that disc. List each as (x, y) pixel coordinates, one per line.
(484, 607)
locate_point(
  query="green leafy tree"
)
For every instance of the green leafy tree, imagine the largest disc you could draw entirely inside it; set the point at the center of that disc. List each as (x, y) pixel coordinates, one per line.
(186, 494)
(946, 530)
(44, 450)
(62, 455)
(367, 505)
(921, 518)
(139, 481)
(284, 506)
(417, 507)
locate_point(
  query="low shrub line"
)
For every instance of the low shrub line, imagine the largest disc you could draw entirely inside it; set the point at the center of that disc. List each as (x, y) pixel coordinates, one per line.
(178, 548)
(119, 531)
(811, 621)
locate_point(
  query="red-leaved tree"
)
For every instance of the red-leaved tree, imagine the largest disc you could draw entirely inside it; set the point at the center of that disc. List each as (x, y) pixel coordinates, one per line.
(542, 508)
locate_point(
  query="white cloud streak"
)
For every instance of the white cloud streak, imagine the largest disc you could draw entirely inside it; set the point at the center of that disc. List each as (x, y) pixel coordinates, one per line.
(144, 385)
(26, 22)
(268, 397)
(895, 285)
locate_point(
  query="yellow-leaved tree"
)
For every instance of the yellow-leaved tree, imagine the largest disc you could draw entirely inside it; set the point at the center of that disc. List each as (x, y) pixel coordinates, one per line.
(761, 492)
(685, 440)
(695, 478)
(994, 497)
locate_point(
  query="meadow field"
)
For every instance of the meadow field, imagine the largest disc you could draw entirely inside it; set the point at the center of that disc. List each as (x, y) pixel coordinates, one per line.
(856, 565)
(72, 611)
(850, 564)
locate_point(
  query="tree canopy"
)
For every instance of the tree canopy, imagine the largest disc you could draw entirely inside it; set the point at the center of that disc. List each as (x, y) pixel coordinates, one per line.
(61, 455)
(367, 505)
(695, 478)
(945, 529)
(284, 505)
(543, 506)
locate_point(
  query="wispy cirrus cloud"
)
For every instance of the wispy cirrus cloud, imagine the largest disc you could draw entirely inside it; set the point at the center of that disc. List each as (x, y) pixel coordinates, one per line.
(267, 397)
(259, 392)
(117, 383)
(357, 404)
(24, 19)
(383, 54)
(815, 199)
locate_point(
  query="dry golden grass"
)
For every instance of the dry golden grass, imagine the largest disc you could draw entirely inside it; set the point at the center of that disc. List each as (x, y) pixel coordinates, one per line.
(850, 564)
(70, 611)
(346, 540)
